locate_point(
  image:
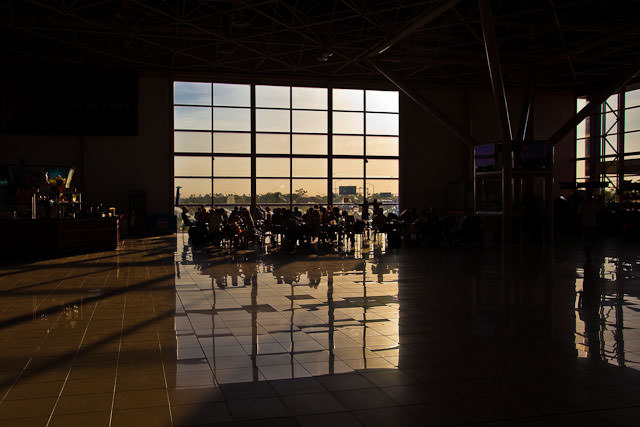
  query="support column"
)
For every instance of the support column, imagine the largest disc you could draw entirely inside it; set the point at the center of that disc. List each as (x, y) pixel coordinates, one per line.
(502, 109)
(594, 146)
(620, 143)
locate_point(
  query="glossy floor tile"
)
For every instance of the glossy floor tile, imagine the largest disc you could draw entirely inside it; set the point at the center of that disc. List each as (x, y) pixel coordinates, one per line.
(159, 333)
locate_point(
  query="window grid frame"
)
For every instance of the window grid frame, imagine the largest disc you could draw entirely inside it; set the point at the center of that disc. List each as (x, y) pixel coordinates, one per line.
(253, 155)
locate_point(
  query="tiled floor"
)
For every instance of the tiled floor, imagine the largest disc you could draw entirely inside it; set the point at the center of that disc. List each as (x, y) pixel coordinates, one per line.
(160, 334)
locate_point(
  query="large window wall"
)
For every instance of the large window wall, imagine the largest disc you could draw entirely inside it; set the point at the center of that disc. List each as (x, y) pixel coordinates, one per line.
(285, 146)
(615, 131)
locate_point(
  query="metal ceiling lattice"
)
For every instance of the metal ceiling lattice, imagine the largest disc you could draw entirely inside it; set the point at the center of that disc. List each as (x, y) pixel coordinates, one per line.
(575, 43)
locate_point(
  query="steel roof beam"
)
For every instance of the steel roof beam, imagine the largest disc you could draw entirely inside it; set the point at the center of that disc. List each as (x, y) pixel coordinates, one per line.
(422, 102)
(420, 22)
(616, 84)
(495, 69)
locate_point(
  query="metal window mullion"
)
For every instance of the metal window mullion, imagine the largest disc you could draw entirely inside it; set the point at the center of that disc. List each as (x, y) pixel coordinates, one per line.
(364, 148)
(290, 147)
(329, 199)
(212, 151)
(621, 153)
(253, 144)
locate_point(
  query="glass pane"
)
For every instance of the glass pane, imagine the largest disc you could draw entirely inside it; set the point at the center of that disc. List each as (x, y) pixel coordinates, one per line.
(309, 144)
(383, 190)
(309, 97)
(348, 168)
(632, 98)
(272, 96)
(581, 171)
(272, 191)
(232, 142)
(611, 103)
(232, 166)
(382, 100)
(348, 99)
(632, 142)
(231, 95)
(609, 145)
(382, 124)
(267, 143)
(348, 145)
(310, 121)
(194, 190)
(382, 168)
(272, 167)
(348, 190)
(348, 123)
(310, 167)
(192, 142)
(192, 93)
(610, 124)
(632, 119)
(581, 148)
(382, 146)
(231, 191)
(194, 118)
(581, 129)
(580, 103)
(272, 120)
(232, 119)
(309, 191)
(192, 166)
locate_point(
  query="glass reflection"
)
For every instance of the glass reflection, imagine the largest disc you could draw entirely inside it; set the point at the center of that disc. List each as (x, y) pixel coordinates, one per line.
(192, 118)
(383, 101)
(195, 191)
(273, 96)
(348, 145)
(309, 191)
(269, 143)
(348, 123)
(192, 166)
(231, 95)
(309, 121)
(309, 168)
(606, 306)
(272, 120)
(632, 119)
(231, 142)
(382, 124)
(382, 146)
(272, 167)
(313, 98)
(192, 142)
(264, 319)
(231, 191)
(348, 99)
(191, 93)
(238, 119)
(309, 144)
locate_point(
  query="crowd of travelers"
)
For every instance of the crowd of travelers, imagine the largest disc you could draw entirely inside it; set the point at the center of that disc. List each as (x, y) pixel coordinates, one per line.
(318, 224)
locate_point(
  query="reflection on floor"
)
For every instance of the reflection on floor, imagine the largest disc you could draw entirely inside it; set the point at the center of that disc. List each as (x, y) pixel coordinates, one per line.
(159, 333)
(279, 316)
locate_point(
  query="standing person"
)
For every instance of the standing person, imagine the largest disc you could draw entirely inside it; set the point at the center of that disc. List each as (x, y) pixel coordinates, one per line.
(375, 205)
(588, 211)
(365, 210)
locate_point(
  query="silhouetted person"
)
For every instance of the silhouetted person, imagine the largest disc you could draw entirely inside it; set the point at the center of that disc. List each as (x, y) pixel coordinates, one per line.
(588, 211)
(589, 309)
(365, 210)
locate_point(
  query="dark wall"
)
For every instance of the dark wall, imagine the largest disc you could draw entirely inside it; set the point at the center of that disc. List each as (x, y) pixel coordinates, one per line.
(432, 157)
(111, 166)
